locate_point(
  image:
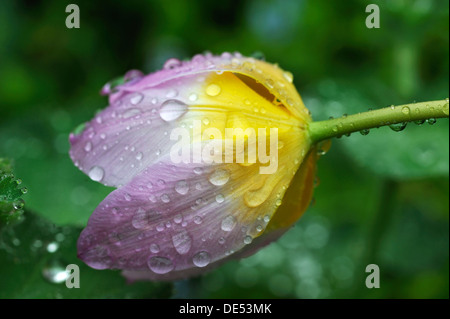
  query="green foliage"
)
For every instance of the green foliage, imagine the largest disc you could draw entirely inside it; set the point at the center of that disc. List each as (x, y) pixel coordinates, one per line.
(11, 202)
(34, 255)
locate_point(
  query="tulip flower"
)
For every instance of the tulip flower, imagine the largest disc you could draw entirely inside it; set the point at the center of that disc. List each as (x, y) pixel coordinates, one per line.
(212, 159)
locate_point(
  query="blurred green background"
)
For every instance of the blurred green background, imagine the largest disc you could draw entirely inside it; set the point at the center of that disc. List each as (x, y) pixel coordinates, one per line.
(383, 198)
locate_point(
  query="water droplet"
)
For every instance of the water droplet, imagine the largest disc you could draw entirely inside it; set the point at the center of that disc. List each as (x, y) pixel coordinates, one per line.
(198, 170)
(160, 265)
(219, 177)
(228, 223)
(178, 219)
(220, 198)
(364, 131)
(266, 218)
(431, 121)
(55, 273)
(248, 240)
(154, 101)
(201, 259)
(182, 187)
(397, 127)
(96, 173)
(88, 147)
(142, 218)
(139, 156)
(406, 110)
(198, 220)
(103, 136)
(154, 248)
(259, 228)
(193, 97)
(171, 93)
(127, 197)
(131, 113)
(172, 110)
(205, 121)
(171, 64)
(52, 247)
(182, 242)
(136, 98)
(278, 202)
(213, 90)
(18, 204)
(165, 198)
(269, 83)
(288, 76)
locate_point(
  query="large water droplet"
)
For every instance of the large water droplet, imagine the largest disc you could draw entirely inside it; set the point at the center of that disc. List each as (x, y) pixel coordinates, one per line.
(182, 242)
(248, 240)
(219, 177)
(397, 127)
(201, 259)
(160, 265)
(182, 187)
(96, 173)
(213, 90)
(172, 109)
(228, 223)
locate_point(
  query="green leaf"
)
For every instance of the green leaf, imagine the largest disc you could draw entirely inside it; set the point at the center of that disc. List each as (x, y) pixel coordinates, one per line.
(34, 255)
(11, 203)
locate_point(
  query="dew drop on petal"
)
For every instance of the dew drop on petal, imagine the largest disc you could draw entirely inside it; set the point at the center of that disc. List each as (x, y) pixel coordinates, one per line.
(136, 98)
(142, 218)
(88, 147)
(248, 240)
(213, 90)
(96, 173)
(172, 110)
(182, 187)
(193, 97)
(154, 248)
(201, 259)
(182, 242)
(228, 223)
(131, 113)
(139, 156)
(220, 198)
(160, 265)
(219, 177)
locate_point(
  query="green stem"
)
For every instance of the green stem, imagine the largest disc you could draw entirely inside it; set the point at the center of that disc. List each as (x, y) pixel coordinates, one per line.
(323, 130)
